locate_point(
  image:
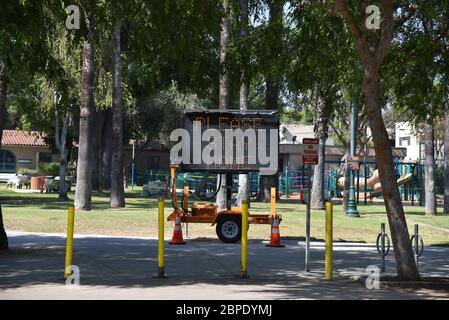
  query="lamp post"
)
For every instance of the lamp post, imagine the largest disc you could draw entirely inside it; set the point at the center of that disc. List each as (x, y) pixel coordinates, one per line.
(351, 210)
(132, 167)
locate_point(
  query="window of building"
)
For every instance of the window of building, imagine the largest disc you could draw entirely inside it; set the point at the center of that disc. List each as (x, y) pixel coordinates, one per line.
(153, 162)
(24, 162)
(7, 162)
(404, 141)
(44, 157)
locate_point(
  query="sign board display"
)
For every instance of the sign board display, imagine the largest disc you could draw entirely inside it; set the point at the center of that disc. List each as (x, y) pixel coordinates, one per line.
(235, 141)
(310, 152)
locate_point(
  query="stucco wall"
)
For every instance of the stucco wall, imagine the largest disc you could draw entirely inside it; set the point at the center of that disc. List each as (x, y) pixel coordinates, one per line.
(28, 153)
(142, 159)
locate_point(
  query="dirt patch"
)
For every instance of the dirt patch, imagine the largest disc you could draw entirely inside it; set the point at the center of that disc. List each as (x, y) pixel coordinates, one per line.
(425, 283)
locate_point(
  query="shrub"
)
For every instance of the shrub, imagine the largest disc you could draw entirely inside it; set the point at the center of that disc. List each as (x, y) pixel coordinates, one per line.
(27, 172)
(50, 169)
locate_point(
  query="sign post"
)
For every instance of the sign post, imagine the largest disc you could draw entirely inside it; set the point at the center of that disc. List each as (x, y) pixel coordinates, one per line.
(307, 257)
(351, 210)
(309, 158)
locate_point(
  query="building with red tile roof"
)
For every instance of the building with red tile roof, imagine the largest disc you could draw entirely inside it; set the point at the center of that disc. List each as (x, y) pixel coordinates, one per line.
(23, 138)
(24, 149)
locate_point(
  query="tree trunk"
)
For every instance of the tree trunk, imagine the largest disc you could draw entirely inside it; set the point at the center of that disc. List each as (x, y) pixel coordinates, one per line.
(3, 113)
(106, 152)
(4, 246)
(264, 193)
(446, 164)
(61, 140)
(97, 149)
(3, 97)
(243, 192)
(83, 193)
(117, 187)
(405, 264)
(62, 177)
(372, 51)
(321, 132)
(223, 95)
(271, 103)
(430, 168)
(317, 199)
(272, 87)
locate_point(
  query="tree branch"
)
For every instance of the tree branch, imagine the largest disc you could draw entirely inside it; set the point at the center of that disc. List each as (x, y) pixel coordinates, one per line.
(337, 133)
(65, 128)
(57, 140)
(341, 9)
(387, 30)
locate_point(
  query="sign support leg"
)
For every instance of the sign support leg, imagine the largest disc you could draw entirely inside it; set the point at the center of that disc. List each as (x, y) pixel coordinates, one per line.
(307, 256)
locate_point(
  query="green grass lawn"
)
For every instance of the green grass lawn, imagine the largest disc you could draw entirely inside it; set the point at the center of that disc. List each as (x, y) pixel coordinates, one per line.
(44, 213)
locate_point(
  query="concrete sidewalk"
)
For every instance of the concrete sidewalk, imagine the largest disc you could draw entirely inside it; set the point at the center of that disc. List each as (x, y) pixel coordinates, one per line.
(123, 268)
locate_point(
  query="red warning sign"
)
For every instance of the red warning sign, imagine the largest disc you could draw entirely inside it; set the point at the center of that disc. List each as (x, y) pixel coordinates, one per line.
(310, 151)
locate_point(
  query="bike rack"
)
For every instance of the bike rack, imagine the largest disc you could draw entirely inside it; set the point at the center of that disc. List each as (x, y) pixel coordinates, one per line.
(382, 249)
(418, 244)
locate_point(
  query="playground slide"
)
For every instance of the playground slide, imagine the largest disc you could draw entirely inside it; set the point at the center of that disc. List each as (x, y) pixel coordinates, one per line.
(406, 177)
(371, 181)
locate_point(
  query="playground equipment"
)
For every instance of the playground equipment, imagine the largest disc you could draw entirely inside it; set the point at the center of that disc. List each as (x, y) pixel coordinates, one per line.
(370, 182)
(373, 183)
(367, 186)
(228, 221)
(406, 177)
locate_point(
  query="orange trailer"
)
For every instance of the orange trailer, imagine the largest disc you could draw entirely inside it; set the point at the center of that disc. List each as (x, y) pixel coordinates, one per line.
(228, 221)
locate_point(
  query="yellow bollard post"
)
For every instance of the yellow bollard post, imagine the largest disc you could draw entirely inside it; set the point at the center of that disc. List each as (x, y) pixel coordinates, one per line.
(160, 233)
(244, 262)
(329, 241)
(69, 243)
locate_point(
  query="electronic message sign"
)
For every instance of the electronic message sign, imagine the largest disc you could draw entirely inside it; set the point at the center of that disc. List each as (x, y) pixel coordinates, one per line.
(223, 141)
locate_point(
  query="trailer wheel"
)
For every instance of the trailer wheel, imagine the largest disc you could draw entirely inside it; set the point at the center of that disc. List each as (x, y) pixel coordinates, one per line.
(229, 228)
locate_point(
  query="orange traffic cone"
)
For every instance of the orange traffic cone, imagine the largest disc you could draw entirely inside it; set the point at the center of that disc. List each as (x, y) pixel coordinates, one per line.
(275, 238)
(177, 232)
